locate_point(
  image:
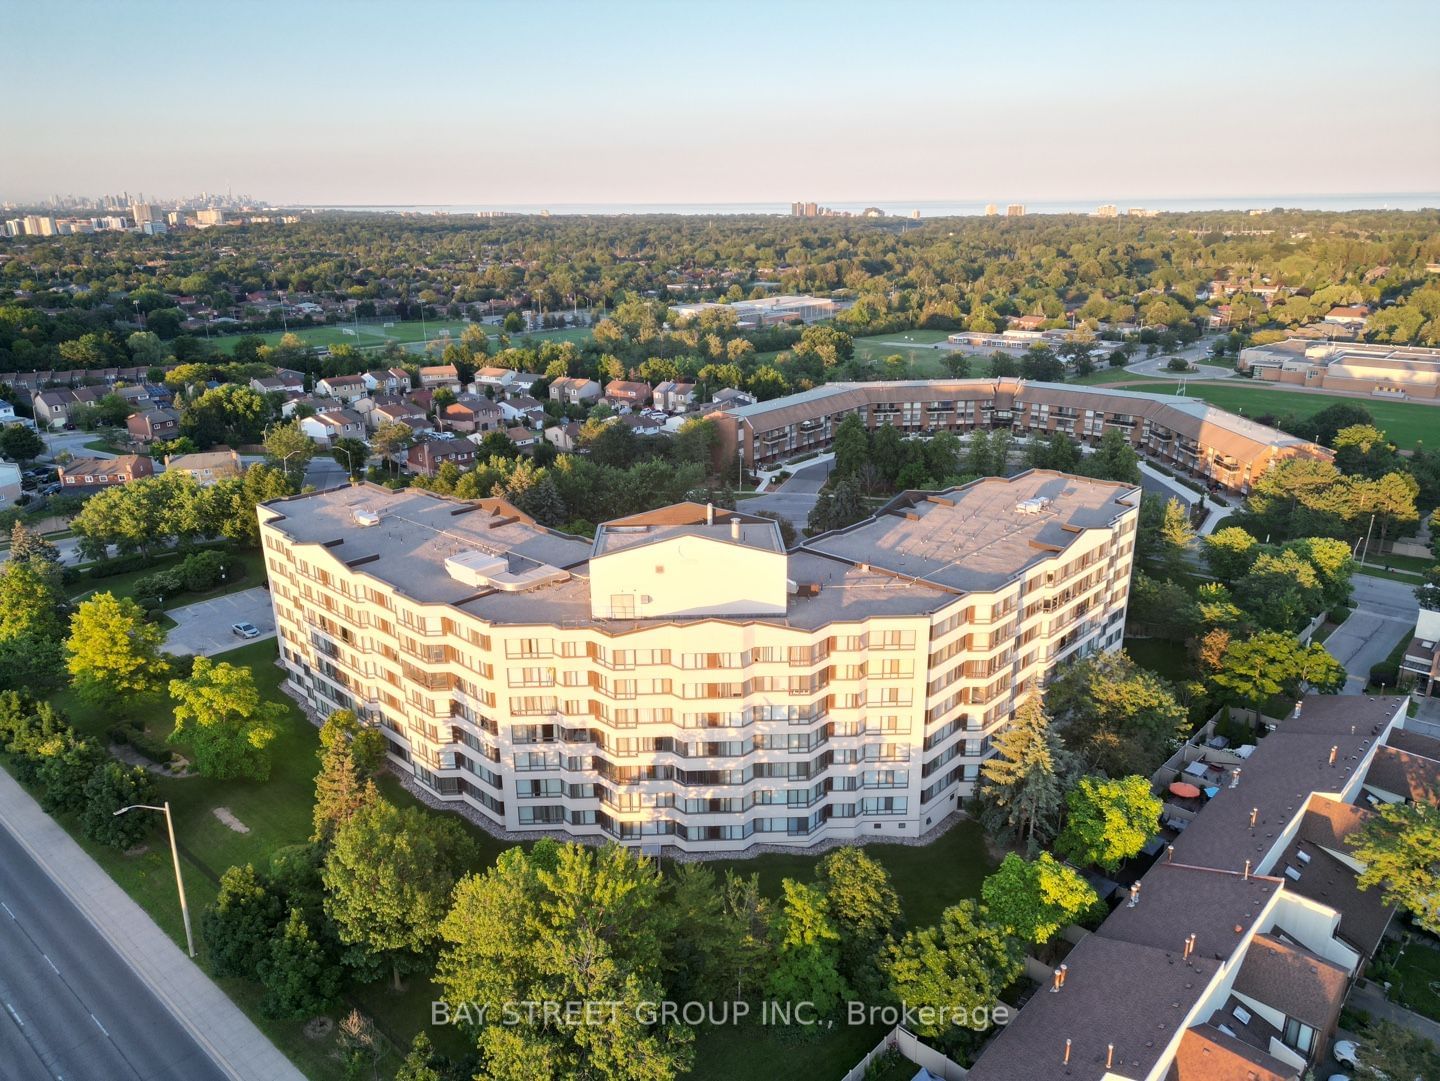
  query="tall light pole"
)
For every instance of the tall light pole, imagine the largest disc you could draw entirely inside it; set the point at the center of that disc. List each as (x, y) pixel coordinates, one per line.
(175, 856)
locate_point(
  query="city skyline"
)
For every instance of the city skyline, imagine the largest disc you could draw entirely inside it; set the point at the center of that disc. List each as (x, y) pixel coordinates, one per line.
(645, 107)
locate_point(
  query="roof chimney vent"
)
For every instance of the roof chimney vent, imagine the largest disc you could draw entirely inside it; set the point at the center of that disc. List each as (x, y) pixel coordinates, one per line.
(735, 529)
(1235, 777)
(1134, 894)
(709, 513)
(364, 517)
(1334, 751)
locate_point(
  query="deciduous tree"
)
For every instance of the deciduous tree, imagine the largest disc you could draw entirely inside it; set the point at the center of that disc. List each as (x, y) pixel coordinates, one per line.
(1035, 899)
(1109, 820)
(220, 714)
(113, 653)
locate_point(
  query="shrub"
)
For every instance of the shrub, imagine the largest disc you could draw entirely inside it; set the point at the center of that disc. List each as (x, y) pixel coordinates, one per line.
(111, 787)
(154, 749)
(1384, 674)
(201, 570)
(1338, 615)
(108, 568)
(119, 733)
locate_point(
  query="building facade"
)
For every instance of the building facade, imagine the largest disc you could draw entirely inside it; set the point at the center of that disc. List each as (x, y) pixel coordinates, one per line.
(685, 680)
(1184, 433)
(1377, 369)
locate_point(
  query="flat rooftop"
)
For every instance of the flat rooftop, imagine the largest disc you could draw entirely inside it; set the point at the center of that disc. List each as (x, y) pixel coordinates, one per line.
(984, 534)
(910, 561)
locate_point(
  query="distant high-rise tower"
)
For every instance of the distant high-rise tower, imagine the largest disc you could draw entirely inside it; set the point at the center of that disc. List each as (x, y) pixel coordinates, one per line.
(1015, 210)
(141, 213)
(991, 210)
(1107, 211)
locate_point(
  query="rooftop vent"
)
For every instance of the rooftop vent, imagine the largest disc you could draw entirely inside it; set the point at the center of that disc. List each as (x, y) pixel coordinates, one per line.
(482, 570)
(1033, 505)
(365, 517)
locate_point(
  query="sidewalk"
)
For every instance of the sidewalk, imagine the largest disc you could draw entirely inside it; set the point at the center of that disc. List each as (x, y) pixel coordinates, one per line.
(1369, 998)
(230, 1038)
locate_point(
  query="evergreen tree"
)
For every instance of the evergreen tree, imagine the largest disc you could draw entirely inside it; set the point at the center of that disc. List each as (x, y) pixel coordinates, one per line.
(339, 789)
(421, 1062)
(300, 978)
(1021, 784)
(238, 927)
(109, 788)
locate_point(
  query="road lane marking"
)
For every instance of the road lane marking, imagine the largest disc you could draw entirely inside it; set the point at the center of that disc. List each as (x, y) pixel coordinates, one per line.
(99, 1025)
(50, 963)
(7, 909)
(14, 1015)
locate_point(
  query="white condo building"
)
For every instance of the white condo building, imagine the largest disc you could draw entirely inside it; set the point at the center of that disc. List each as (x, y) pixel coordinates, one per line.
(683, 679)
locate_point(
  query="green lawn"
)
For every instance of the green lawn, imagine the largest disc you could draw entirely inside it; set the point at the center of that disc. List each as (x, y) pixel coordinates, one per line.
(1417, 979)
(1404, 422)
(1117, 375)
(1161, 656)
(123, 585)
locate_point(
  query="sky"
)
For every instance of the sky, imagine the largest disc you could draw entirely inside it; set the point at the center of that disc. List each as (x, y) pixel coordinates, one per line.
(627, 101)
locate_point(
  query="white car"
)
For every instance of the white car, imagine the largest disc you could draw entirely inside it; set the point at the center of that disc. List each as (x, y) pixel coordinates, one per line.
(245, 630)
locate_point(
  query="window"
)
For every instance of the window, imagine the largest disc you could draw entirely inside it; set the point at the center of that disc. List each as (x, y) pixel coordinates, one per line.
(1299, 1035)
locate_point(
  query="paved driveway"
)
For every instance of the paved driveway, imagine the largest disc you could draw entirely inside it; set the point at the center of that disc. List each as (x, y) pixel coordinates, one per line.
(204, 628)
(796, 498)
(1384, 610)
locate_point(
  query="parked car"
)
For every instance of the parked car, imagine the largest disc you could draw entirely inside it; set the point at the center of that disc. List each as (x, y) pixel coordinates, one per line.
(245, 630)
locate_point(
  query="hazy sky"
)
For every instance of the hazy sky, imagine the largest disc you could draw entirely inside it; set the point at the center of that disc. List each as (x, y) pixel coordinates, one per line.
(364, 101)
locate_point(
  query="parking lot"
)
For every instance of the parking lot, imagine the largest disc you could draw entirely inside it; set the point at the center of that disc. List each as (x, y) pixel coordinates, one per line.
(204, 628)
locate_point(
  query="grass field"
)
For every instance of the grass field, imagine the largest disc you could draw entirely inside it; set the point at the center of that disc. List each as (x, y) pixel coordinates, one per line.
(123, 585)
(1404, 422)
(1417, 979)
(409, 333)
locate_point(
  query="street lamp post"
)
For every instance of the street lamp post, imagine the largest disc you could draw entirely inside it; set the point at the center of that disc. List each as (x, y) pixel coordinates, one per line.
(174, 856)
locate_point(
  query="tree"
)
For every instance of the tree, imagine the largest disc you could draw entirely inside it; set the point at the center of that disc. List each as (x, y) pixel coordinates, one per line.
(1118, 717)
(33, 612)
(1399, 849)
(864, 909)
(26, 546)
(1021, 784)
(1255, 669)
(67, 764)
(1280, 591)
(351, 453)
(229, 413)
(388, 876)
(851, 445)
(20, 444)
(238, 927)
(111, 787)
(220, 714)
(1176, 536)
(958, 969)
(839, 505)
(301, 979)
(1391, 1051)
(832, 346)
(1230, 552)
(1428, 591)
(421, 1062)
(807, 951)
(113, 653)
(289, 448)
(1109, 820)
(1114, 459)
(390, 439)
(1035, 900)
(341, 789)
(563, 923)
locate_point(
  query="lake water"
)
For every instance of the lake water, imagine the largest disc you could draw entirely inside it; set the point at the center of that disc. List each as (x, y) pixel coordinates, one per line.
(932, 208)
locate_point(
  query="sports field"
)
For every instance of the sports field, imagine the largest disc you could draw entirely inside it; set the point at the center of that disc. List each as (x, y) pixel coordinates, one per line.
(412, 333)
(1404, 422)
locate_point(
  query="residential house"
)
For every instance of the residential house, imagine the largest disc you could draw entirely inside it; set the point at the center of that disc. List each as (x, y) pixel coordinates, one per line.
(524, 383)
(730, 398)
(1351, 317)
(393, 411)
(289, 408)
(7, 412)
(628, 392)
(643, 424)
(344, 387)
(274, 384)
(424, 397)
(471, 413)
(427, 455)
(11, 487)
(206, 468)
(564, 437)
(153, 424)
(104, 472)
(387, 381)
(52, 407)
(523, 438)
(574, 391)
(522, 410)
(326, 428)
(436, 376)
(1027, 322)
(500, 379)
(674, 397)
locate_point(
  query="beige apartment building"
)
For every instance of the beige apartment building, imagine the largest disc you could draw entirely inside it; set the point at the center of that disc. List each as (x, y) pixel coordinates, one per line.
(1183, 433)
(685, 680)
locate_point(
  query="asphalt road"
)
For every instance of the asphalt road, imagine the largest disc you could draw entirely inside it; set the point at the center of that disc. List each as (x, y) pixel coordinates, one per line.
(72, 1008)
(1384, 610)
(796, 498)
